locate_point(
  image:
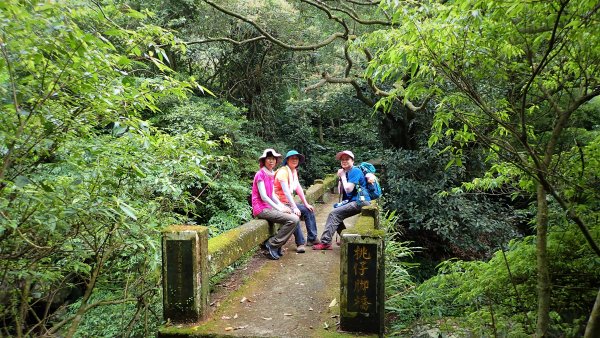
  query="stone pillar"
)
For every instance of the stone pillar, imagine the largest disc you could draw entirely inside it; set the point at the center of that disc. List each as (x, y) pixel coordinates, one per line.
(320, 198)
(362, 289)
(185, 273)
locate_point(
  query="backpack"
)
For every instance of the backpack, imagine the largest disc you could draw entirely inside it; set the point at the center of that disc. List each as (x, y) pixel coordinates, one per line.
(366, 168)
(374, 189)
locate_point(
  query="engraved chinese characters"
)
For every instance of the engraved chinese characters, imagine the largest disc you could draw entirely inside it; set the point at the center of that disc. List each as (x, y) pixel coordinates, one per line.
(362, 277)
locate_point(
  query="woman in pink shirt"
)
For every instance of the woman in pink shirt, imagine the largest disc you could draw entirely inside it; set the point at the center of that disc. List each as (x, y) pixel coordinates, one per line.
(266, 205)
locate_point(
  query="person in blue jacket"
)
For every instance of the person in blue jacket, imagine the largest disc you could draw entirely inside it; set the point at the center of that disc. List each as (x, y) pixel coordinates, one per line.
(351, 183)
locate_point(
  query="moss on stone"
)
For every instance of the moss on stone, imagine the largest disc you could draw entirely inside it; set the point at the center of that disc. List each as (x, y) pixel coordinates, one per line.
(233, 244)
(182, 227)
(365, 226)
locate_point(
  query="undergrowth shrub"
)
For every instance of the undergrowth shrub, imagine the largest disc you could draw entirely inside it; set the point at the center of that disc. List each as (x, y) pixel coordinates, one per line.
(485, 299)
(221, 204)
(465, 225)
(399, 284)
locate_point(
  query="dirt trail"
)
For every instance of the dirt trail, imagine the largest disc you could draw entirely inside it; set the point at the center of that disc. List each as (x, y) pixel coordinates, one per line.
(295, 296)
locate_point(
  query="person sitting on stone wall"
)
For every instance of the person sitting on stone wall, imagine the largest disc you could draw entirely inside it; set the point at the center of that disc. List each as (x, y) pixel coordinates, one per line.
(351, 182)
(266, 205)
(286, 184)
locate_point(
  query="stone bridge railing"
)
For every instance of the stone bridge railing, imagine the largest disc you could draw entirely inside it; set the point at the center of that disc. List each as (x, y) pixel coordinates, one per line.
(190, 259)
(362, 274)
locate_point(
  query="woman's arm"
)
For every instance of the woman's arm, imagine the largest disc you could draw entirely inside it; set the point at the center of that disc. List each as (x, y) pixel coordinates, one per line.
(263, 195)
(300, 194)
(282, 207)
(288, 195)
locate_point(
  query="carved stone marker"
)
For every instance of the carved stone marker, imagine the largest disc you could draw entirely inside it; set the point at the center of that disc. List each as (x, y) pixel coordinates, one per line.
(362, 283)
(185, 273)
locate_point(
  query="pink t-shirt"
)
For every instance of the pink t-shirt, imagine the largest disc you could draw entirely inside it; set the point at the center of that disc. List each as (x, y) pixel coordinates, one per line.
(258, 205)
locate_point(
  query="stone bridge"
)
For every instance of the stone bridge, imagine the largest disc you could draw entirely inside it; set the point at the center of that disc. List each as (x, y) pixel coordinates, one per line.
(337, 293)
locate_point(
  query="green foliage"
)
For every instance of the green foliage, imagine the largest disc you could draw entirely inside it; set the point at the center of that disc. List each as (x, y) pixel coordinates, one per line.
(336, 121)
(84, 185)
(221, 119)
(98, 210)
(468, 294)
(300, 125)
(398, 281)
(221, 205)
(121, 319)
(466, 225)
(509, 76)
(226, 205)
(520, 108)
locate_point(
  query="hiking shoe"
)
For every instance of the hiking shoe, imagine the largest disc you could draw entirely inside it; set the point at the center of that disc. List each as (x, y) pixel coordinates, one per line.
(280, 251)
(271, 252)
(322, 246)
(300, 249)
(313, 242)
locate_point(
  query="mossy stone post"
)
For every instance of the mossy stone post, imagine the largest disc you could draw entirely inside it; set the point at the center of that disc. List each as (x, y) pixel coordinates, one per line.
(185, 273)
(321, 183)
(362, 288)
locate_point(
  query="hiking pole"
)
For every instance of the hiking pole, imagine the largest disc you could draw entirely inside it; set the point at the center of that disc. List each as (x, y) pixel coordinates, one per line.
(339, 189)
(340, 202)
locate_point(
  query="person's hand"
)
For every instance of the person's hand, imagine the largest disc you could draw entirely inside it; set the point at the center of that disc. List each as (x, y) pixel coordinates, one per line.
(370, 178)
(310, 207)
(297, 211)
(287, 209)
(341, 172)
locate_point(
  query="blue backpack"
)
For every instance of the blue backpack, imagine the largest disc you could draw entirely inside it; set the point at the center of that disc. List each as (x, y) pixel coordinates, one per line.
(374, 189)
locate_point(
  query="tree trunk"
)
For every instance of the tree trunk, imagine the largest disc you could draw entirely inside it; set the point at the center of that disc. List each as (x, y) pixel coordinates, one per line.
(22, 314)
(89, 287)
(593, 326)
(543, 280)
(321, 138)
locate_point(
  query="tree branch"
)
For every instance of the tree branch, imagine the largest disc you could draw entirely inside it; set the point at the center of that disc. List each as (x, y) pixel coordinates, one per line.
(346, 80)
(88, 307)
(536, 70)
(361, 3)
(278, 42)
(237, 43)
(353, 16)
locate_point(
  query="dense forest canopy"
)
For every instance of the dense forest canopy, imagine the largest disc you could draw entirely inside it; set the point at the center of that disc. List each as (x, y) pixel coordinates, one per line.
(121, 117)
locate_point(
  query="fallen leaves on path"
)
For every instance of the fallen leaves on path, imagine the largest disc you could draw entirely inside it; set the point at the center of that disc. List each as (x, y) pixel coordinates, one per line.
(231, 328)
(333, 302)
